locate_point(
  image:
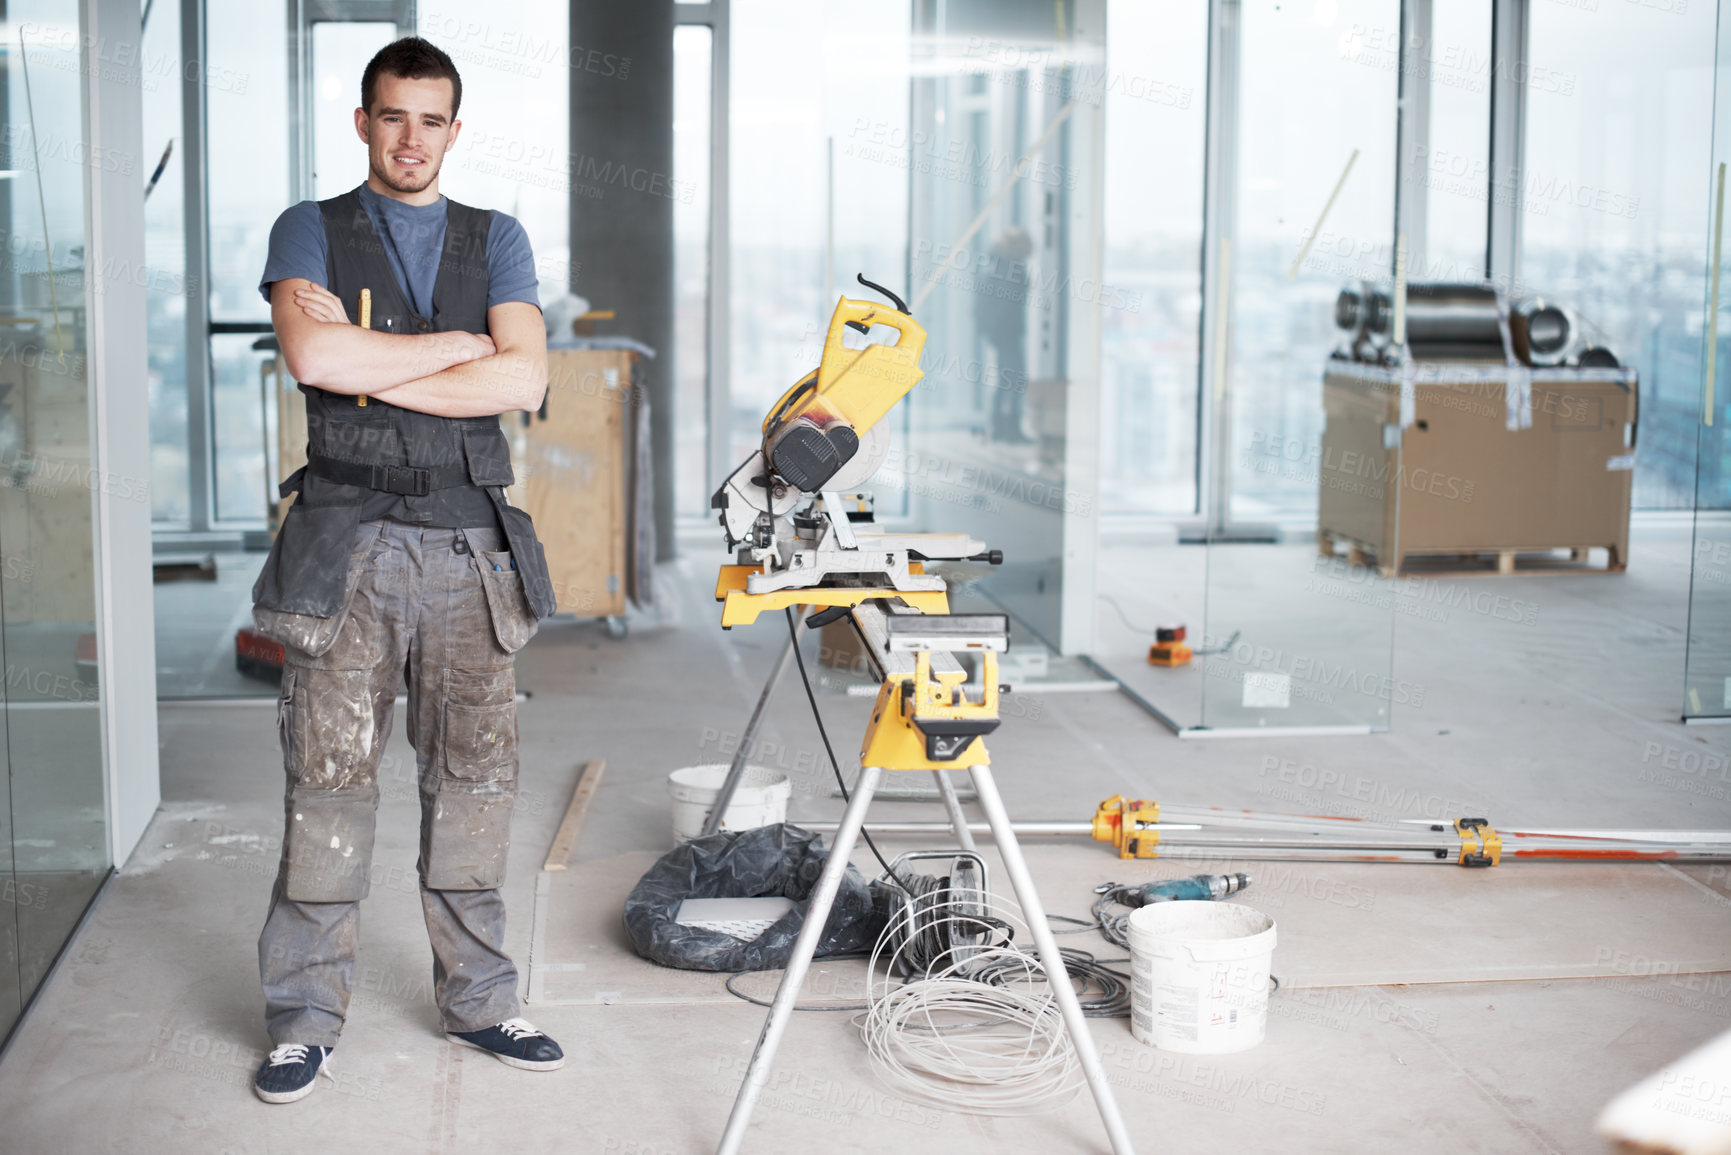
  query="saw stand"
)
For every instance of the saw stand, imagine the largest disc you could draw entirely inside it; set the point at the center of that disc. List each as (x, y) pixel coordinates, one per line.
(921, 721)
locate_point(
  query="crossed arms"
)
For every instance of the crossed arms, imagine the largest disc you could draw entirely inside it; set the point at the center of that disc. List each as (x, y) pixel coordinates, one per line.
(454, 374)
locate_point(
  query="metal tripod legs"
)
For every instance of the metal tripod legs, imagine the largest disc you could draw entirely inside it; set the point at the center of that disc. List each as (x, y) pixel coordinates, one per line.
(804, 947)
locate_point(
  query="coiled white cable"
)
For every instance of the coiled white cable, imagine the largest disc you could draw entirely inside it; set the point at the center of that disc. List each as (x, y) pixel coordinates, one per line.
(958, 1042)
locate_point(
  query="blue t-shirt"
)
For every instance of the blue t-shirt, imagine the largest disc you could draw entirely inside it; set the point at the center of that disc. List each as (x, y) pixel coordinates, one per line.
(413, 237)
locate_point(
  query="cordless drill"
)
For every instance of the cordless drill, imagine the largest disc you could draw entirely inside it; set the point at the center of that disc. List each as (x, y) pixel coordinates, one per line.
(1198, 887)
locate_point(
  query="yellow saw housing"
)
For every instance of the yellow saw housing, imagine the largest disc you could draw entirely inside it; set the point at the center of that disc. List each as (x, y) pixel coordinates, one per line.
(815, 428)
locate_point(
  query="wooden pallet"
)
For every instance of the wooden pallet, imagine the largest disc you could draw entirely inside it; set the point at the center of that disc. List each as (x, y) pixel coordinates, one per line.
(1469, 563)
(1357, 552)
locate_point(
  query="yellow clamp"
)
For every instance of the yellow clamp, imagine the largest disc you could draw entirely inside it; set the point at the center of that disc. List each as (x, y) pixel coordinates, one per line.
(1480, 845)
(1120, 821)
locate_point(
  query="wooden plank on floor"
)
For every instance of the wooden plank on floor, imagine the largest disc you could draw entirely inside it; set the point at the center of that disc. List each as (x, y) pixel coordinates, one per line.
(588, 779)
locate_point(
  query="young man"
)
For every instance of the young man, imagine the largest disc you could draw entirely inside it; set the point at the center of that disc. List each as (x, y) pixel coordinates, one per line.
(400, 560)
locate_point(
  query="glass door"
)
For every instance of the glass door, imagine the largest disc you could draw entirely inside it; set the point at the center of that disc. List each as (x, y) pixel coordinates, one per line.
(1298, 621)
(1151, 363)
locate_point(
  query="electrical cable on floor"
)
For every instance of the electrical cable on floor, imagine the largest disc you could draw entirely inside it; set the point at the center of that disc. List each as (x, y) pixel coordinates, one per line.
(817, 716)
(1103, 992)
(739, 994)
(1114, 928)
(1222, 648)
(1134, 628)
(1122, 616)
(1004, 1053)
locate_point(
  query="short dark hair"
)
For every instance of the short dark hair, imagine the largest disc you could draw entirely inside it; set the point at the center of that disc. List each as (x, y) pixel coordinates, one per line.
(410, 58)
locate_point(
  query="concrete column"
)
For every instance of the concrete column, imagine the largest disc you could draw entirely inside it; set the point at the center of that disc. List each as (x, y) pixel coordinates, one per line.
(622, 194)
(120, 428)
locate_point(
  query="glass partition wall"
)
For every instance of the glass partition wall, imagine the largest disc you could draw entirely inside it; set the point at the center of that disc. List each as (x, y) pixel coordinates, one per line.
(1707, 673)
(1004, 151)
(1344, 139)
(1266, 135)
(1296, 636)
(54, 849)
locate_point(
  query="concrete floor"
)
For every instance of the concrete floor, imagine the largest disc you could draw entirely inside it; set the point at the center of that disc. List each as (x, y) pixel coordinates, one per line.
(145, 1038)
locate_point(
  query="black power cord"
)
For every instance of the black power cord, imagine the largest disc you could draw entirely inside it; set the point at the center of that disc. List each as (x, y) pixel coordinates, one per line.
(817, 716)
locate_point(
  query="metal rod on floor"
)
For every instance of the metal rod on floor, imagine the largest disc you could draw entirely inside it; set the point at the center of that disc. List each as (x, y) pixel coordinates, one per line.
(1026, 829)
(804, 948)
(1290, 837)
(736, 771)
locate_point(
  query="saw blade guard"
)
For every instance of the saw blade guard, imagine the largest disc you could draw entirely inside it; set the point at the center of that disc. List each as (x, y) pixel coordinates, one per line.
(819, 426)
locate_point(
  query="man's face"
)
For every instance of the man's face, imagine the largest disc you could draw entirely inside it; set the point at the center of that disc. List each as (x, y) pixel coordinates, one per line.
(408, 131)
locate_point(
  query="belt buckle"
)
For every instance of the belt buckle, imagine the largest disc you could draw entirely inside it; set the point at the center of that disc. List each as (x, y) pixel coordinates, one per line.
(407, 480)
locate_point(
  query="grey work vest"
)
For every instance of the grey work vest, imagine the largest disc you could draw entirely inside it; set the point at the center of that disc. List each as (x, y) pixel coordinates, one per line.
(379, 460)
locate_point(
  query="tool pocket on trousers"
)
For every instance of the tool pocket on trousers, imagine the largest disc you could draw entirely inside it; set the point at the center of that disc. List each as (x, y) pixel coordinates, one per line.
(513, 622)
(480, 725)
(336, 730)
(299, 576)
(520, 539)
(314, 633)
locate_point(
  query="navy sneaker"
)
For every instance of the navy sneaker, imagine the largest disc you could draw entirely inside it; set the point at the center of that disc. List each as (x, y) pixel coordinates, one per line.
(289, 1073)
(515, 1043)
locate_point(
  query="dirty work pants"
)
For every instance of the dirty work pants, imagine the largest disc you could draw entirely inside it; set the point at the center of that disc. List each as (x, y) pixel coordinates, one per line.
(443, 610)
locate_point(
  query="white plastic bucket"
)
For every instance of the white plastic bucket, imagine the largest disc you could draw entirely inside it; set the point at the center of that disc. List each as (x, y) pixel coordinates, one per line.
(760, 799)
(1199, 976)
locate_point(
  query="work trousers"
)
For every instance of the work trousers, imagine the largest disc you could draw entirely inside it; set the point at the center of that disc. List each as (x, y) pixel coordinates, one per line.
(442, 610)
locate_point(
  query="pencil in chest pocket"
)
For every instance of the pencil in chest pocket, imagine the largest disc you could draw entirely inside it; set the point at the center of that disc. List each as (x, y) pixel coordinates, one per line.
(366, 323)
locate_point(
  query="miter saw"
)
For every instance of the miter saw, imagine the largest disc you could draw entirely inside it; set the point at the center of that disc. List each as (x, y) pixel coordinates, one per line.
(805, 536)
(803, 532)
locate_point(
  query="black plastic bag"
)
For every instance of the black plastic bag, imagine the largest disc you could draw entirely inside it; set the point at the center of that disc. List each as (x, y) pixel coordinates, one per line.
(779, 860)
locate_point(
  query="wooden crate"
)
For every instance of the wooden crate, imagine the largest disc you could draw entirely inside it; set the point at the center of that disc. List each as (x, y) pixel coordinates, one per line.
(1458, 483)
(572, 477)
